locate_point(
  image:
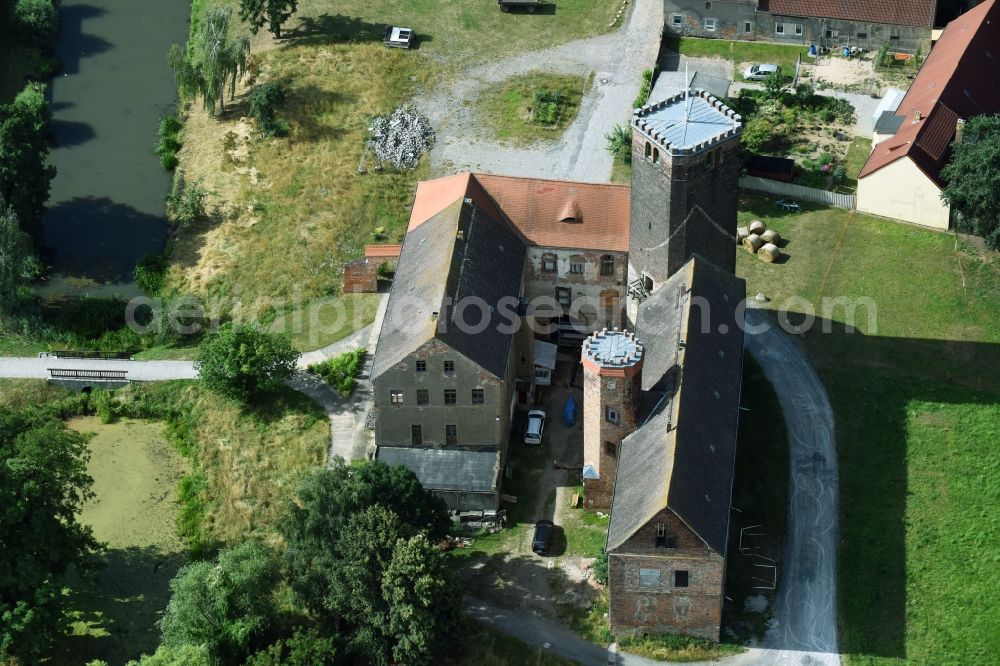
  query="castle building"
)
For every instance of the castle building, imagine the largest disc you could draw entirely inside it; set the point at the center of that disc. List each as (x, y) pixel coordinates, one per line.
(490, 264)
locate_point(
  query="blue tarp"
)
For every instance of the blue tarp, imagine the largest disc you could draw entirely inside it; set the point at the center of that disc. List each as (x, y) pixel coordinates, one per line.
(569, 412)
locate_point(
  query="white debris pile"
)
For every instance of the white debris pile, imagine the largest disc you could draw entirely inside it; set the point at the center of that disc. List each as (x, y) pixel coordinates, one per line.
(399, 138)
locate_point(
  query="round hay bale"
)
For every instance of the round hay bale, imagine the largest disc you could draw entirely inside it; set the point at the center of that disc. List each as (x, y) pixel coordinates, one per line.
(741, 233)
(771, 236)
(769, 252)
(752, 243)
(757, 227)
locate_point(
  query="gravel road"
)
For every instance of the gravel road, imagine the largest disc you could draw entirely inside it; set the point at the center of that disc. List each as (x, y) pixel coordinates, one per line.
(616, 59)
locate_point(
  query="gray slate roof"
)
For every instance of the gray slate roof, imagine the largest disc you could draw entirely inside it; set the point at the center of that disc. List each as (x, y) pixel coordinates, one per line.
(682, 456)
(484, 266)
(472, 471)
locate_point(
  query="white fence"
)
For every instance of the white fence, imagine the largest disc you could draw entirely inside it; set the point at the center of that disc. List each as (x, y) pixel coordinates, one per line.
(798, 191)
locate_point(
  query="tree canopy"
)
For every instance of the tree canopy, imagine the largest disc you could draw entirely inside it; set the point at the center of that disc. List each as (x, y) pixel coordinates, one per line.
(18, 264)
(242, 361)
(225, 605)
(272, 12)
(43, 485)
(213, 62)
(25, 176)
(973, 179)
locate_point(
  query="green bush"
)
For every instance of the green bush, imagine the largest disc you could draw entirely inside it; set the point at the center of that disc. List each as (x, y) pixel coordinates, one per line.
(839, 174)
(105, 404)
(340, 372)
(151, 273)
(600, 568)
(757, 132)
(619, 143)
(265, 100)
(168, 141)
(644, 90)
(36, 20)
(189, 205)
(304, 648)
(242, 362)
(547, 107)
(191, 491)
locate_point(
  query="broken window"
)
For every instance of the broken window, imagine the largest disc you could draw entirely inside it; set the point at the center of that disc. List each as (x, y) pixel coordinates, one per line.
(680, 578)
(649, 578)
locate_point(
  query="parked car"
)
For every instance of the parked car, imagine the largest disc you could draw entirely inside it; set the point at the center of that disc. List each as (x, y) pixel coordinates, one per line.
(543, 536)
(760, 72)
(399, 38)
(788, 204)
(536, 424)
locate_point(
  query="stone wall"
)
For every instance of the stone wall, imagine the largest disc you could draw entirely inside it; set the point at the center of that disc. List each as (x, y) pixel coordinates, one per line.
(645, 594)
(361, 275)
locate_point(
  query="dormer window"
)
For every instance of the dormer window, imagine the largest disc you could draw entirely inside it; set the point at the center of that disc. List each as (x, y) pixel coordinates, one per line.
(570, 213)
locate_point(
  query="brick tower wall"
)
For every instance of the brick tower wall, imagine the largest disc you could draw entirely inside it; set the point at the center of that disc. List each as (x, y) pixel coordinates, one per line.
(663, 195)
(618, 389)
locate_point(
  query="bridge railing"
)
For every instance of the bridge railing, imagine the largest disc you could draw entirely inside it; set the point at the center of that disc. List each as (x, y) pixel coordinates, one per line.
(107, 375)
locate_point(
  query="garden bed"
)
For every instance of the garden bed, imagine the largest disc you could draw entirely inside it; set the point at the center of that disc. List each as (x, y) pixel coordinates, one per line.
(533, 107)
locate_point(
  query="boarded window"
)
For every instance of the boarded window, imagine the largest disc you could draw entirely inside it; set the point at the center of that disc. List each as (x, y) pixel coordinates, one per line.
(416, 435)
(649, 578)
(396, 397)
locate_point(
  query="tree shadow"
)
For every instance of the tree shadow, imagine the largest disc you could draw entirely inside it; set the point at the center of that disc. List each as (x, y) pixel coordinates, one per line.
(75, 45)
(873, 382)
(329, 29)
(70, 132)
(308, 105)
(97, 238)
(114, 614)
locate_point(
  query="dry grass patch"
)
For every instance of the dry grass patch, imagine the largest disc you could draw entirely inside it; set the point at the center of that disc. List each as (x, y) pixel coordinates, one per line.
(17, 394)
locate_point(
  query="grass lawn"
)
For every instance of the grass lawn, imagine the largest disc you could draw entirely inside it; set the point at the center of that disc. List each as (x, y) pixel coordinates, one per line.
(511, 109)
(739, 53)
(857, 155)
(914, 392)
(472, 30)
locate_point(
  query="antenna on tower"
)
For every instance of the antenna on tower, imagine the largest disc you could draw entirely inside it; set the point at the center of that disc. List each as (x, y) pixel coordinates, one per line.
(687, 97)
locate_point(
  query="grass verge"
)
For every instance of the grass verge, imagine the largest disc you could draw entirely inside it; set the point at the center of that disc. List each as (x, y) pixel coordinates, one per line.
(913, 389)
(533, 107)
(739, 53)
(857, 155)
(341, 371)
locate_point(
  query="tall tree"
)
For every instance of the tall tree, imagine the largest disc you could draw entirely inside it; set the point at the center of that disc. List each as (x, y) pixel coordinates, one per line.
(18, 264)
(43, 485)
(973, 179)
(241, 361)
(213, 63)
(272, 12)
(25, 176)
(225, 605)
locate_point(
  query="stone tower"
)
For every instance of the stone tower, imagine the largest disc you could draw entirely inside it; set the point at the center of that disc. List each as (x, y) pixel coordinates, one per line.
(612, 382)
(685, 173)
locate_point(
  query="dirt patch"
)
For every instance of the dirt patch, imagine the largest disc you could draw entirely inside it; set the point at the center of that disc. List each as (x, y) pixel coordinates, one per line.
(135, 474)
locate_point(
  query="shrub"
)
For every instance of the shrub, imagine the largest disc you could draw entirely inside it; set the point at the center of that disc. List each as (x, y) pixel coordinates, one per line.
(38, 20)
(340, 371)
(90, 317)
(168, 141)
(644, 90)
(188, 206)
(265, 100)
(547, 107)
(789, 116)
(839, 174)
(619, 143)
(757, 132)
(191, 497)
(304, 648)
(600, 568)
(151, 273)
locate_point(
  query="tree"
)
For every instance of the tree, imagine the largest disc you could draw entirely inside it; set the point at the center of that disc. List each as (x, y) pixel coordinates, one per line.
(242, 361)
(304, 648)
(25, 176)
(265, 99)
(214, 62)
(422, 599)
(43, 486)
(18, 264)
(757, 132)
(185, 655)
(973, 179)
(773, 85)
(271, 12)
(327, 499)
(225, 605)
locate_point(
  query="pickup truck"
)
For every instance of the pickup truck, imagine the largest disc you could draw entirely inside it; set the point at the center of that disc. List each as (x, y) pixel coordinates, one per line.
(529, 5)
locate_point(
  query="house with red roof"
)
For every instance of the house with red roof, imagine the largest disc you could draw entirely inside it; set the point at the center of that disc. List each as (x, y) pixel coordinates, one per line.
(902, 177)
(903, 25)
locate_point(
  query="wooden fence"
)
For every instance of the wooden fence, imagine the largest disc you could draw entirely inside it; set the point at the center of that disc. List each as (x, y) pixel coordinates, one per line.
(799, 192)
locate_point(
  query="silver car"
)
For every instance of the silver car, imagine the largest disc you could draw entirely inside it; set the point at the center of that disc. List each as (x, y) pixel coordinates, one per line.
(536, 424)
(760, 72)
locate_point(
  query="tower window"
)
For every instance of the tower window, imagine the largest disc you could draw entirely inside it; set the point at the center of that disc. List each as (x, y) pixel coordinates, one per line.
(607, 265)
(416, 435)
(648, 150)
(656, 155)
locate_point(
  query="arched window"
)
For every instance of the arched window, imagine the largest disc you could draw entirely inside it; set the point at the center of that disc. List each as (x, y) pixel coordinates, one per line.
(648, 151)
(656, 156)
(607, 265)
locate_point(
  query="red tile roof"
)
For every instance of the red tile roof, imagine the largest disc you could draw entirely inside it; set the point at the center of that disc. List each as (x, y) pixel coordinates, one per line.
(958, 80)
(383, 251)
(548, 213)
(918, 13)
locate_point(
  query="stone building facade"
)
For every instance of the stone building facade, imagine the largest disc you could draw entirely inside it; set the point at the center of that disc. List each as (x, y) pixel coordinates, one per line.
(905, 25)
(586, 285)
(612, 383)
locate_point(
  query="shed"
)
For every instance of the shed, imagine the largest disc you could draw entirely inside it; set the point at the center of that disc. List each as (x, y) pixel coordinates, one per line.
(545, 362)
(772, 168)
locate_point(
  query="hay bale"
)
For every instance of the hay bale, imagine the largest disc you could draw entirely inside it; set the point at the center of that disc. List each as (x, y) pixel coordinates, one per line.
(769, 252)
(752, 243)
(741, 233)
(771, 236)
(757, 227)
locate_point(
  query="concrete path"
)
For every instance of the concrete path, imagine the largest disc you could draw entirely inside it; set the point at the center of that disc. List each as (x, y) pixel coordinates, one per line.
(147, 371)
(616, 59)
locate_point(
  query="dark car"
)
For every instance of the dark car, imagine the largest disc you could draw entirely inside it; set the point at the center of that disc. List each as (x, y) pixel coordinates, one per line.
(543, 535)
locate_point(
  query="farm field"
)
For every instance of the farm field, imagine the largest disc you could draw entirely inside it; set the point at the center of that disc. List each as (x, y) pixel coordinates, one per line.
(914, 392)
